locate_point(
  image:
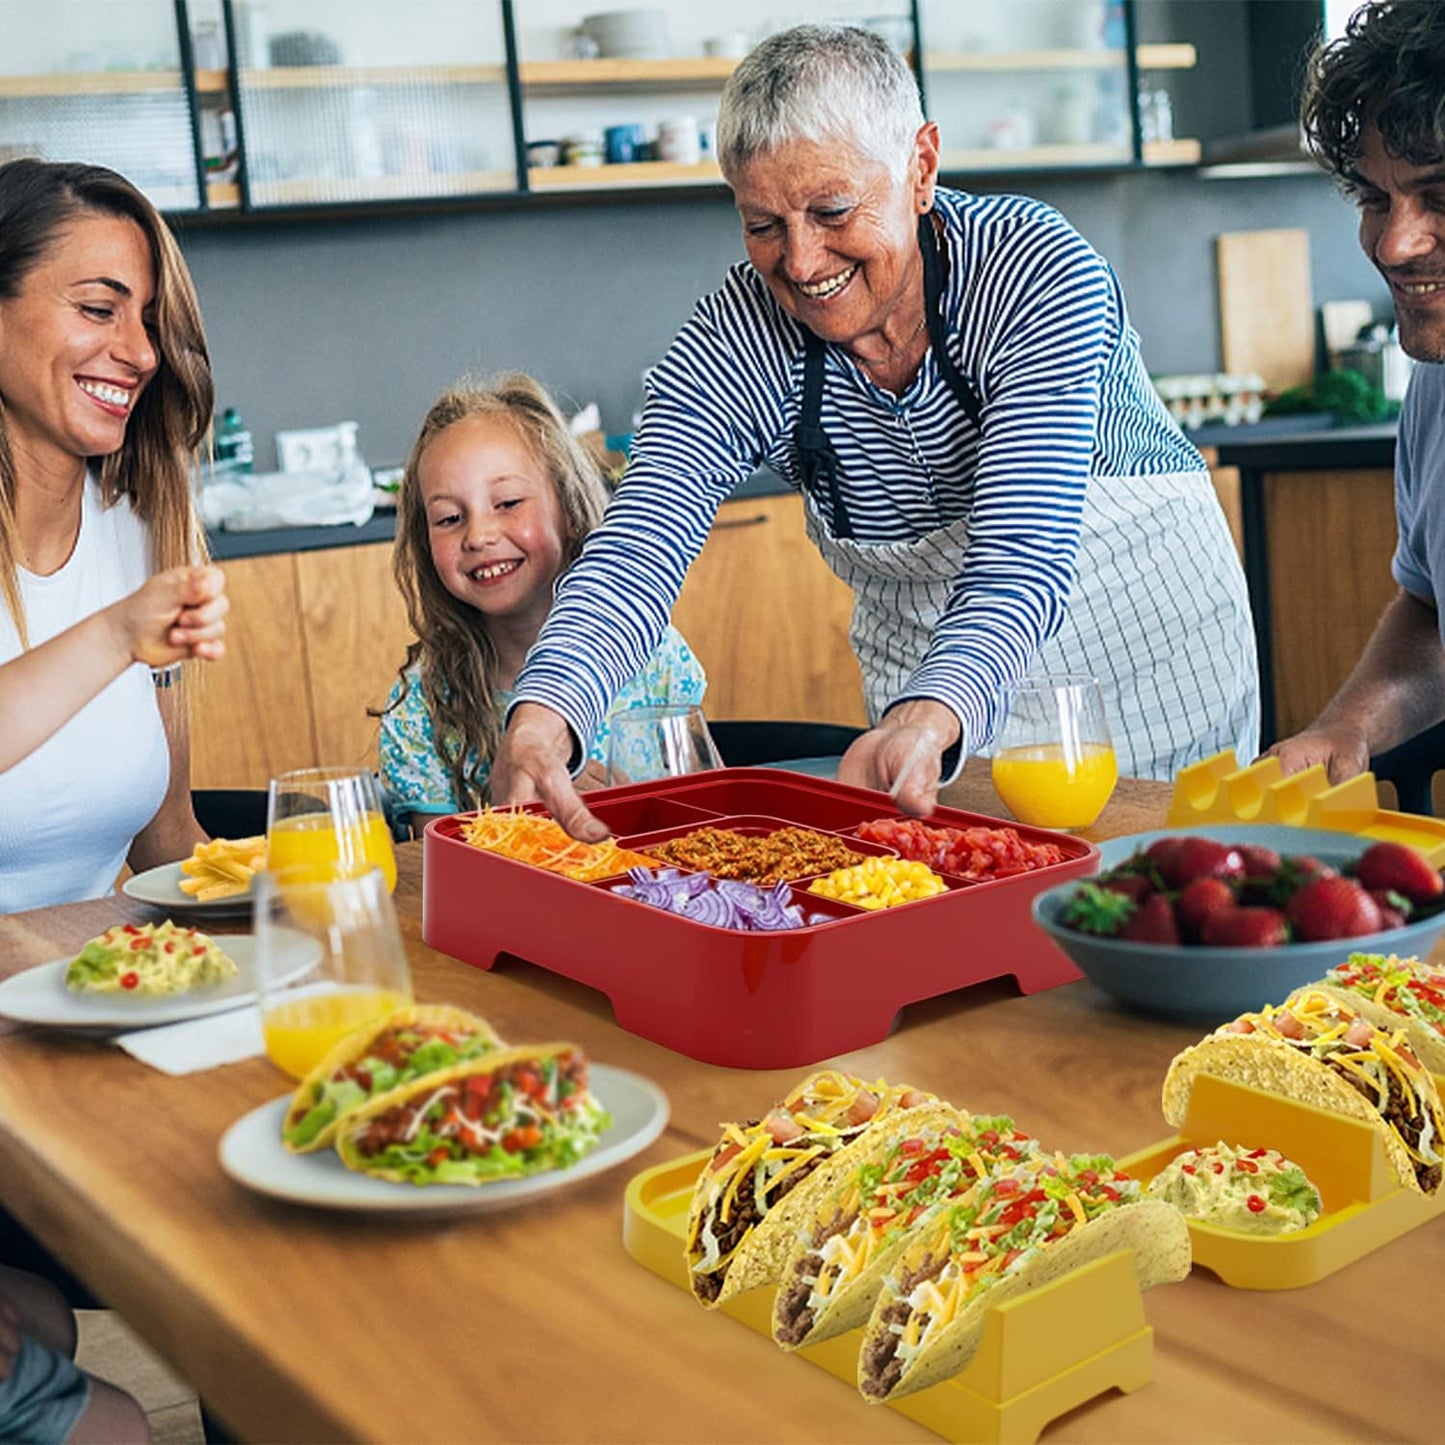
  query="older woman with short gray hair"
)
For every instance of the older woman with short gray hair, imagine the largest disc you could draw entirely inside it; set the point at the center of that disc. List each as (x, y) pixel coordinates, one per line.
(953, 384)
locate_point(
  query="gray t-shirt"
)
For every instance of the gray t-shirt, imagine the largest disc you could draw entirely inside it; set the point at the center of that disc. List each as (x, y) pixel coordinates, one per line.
(1419, 564)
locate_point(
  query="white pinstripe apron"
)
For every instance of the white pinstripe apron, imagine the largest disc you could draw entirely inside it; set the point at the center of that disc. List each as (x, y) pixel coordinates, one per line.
(1158, 613)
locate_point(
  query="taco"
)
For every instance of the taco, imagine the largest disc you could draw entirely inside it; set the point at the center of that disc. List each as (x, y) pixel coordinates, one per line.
(1395, 993)
(1012, 1233)
(1319, 1051)
(766, 1176)
(508, 1114)
(377, 1059)
(926, 1160)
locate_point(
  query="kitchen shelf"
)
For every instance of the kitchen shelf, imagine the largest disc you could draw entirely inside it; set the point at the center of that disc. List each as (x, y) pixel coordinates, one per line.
(310, 190)
(101, 82)
(349, 77)
(1182, 152)
(683, 69)
(1146, 57)
(212, 82)
(999, 158)
(636, 173)
(1181, 56)
(223, 195)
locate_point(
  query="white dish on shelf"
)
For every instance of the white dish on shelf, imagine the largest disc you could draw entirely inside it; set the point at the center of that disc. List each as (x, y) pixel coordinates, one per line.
(251, 1152)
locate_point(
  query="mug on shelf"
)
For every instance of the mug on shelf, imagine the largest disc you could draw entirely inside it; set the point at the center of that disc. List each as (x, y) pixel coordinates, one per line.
(678, 141)
(622, 144)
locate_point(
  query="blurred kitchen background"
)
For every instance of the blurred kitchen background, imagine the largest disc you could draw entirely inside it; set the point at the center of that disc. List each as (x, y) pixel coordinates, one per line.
(376, 199)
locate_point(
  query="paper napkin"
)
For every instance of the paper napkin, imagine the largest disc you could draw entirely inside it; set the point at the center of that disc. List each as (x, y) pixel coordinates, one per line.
(196, 1044)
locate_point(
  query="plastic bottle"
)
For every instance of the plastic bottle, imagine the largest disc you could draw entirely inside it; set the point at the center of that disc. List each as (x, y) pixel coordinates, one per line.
(234, 450)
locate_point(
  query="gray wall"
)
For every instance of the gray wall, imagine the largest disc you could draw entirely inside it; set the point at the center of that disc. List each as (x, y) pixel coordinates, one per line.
(319, 321)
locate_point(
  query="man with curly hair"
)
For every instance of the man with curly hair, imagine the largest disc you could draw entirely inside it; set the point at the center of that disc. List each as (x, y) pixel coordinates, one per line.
(1374, 116)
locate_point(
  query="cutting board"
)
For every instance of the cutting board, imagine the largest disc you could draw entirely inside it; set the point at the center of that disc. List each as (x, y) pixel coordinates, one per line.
(1266, 312)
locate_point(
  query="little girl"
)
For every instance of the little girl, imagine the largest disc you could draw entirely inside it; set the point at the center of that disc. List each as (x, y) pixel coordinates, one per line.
(497, 500)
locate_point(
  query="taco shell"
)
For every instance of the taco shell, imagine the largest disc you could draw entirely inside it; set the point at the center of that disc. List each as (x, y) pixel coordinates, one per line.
(1156, 1233)
(1278, 1067)
(833, 1150)
(356, 1125)
(853, 1301)
(356, 1046)
(1427, 1041)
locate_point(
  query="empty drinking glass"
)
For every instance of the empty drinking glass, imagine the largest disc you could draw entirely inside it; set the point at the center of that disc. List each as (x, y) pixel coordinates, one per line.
(1054, 763)
(659, 742)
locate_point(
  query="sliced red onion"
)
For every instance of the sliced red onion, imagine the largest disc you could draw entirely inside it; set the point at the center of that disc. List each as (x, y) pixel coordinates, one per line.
(721, 903)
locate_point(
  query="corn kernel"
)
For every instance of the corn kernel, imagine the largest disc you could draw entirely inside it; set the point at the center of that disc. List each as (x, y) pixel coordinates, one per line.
(880, 883)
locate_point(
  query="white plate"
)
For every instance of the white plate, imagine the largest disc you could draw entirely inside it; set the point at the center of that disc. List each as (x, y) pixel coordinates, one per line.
(252, 1154)
(161, 887)
(39, 995)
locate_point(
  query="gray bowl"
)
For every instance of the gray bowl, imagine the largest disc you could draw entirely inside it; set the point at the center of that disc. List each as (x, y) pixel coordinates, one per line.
(1197, 982)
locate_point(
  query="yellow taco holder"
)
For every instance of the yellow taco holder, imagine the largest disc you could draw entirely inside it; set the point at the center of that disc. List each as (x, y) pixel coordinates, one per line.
(1218, 790)
(1364, 1206)
(1042, 1354)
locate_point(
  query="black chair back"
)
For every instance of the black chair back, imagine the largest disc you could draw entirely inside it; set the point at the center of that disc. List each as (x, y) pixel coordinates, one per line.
(745, 743)
(1411, 767)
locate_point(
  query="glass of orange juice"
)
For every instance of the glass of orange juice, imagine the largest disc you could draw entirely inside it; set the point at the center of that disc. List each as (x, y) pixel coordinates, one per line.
(330, 821)
(329, 960)
(1053, 763)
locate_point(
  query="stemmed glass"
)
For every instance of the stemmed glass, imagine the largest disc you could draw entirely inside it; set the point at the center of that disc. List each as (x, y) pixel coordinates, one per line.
(1054, 763)
(645, 743)
(329, 821)
(329, 960)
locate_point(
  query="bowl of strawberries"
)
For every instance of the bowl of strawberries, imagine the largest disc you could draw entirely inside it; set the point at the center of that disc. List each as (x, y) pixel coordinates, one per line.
(1215, 920)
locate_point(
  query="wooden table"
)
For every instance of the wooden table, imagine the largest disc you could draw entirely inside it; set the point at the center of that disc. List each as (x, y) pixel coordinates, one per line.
(536, 1325)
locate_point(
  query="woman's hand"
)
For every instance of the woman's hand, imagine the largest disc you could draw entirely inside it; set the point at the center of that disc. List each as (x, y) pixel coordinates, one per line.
(903, 755)
(1344, 751)
(531, 765)
(176, 616)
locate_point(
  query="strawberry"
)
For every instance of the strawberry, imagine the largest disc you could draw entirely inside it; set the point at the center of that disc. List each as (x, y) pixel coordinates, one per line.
(1199, 902)
(1332, 908)
(1153, 922)
(1398, 869)
(1200, 858)
(1133, 886)
(1393, 905)
(1093, 909)
(1246, 928)
(1259, 862)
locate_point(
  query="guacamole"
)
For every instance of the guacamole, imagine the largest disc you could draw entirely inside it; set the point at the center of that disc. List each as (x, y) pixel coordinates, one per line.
(148, 959)
(1256, 1191)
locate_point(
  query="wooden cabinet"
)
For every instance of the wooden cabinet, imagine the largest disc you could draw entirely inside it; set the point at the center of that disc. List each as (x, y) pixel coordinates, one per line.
(1331, 536)
(313, 640)
(768, 620)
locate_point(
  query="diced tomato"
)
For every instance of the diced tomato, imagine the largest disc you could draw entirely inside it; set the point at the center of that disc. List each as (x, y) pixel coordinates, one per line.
(1255, 1204)
(438, 1156)
(1241, 1026)
(527, 1137)
(137, 944)
(129, 928)
(863, 1107)
(1249, 1166)
(1288, 1025)
(1112, 1194)
(1187, 1168)
(911, 1148)
(1258, 1153)
(721, 1158)
(130, 979)
(1005, 1187)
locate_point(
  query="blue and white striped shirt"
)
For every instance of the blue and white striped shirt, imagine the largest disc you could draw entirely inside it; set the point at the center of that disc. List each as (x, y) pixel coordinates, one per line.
(1035, 320)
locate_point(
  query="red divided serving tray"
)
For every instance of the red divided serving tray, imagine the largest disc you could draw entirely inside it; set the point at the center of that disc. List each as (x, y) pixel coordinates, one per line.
(746, 1000)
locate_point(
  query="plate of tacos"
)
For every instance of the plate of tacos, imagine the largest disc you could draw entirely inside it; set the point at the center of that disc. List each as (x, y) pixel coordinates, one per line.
(430, 1114)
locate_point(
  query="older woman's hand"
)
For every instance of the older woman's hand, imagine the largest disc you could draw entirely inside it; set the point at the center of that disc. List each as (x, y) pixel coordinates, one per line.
(531, 765)
(903, 755)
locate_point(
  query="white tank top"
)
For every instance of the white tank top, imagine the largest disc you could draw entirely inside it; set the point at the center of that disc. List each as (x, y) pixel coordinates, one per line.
(69, 811)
